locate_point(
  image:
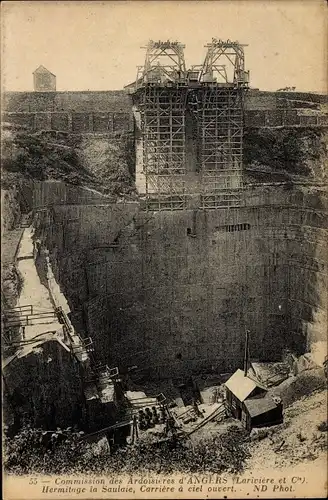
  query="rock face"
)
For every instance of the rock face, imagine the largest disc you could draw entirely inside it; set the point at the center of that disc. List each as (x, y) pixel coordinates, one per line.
(110, 160)
(11, 211)
(44, 388)
(151, 296)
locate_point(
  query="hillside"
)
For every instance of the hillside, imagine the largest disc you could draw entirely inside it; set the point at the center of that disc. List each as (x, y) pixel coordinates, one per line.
(285, 154)
(301, 439)
(44, 155)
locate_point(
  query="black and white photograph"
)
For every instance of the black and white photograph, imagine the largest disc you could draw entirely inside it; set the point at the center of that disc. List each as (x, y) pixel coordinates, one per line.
(164, 249)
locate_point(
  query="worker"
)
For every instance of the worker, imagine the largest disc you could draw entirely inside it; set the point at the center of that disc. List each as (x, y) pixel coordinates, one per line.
(155, 416)
(149, 417)
(162, 415)
(196, 409)
(135, 433)
(142, 420)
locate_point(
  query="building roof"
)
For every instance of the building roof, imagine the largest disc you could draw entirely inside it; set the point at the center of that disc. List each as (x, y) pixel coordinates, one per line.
(42, 69)
(132, 85)
(242, 386)
(268, 374)
(259, 406)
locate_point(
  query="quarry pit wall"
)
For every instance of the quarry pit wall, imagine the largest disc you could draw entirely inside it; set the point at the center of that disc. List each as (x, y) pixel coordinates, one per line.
(153, 296)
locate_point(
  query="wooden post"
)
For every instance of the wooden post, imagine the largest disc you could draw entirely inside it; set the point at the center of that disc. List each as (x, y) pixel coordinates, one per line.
(134, 432)
(135, 427)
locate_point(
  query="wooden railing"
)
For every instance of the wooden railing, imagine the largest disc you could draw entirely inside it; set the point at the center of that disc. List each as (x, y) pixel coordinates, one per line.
(26, 315)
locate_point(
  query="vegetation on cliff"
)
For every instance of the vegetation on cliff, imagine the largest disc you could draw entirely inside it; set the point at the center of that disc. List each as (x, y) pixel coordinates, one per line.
(60, 156)
(40, 157)
(285, 154)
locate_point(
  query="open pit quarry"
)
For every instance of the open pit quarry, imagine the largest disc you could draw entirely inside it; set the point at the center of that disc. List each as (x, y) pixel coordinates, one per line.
(164, 285)
(152, 294)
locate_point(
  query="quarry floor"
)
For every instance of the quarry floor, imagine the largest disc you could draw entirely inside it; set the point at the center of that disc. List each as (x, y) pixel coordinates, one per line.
(297, 442)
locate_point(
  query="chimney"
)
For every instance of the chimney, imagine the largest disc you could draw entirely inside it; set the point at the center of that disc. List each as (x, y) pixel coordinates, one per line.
(246, 354)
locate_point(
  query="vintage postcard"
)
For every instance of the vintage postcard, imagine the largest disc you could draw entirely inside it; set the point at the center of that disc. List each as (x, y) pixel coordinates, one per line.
(164, 279)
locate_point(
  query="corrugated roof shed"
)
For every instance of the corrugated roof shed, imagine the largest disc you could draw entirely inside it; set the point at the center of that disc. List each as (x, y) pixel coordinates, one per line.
(241, 386)
(259, 406)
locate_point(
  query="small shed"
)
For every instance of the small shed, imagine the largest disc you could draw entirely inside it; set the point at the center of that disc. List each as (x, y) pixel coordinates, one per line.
(261, 412)
(238, 388)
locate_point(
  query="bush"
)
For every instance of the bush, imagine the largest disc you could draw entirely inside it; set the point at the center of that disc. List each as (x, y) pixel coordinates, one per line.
(284, 150)
(34, 451)
(323, 426)
(38, 451)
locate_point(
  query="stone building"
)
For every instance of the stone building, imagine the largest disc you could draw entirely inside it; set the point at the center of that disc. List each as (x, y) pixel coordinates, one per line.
(44, 80)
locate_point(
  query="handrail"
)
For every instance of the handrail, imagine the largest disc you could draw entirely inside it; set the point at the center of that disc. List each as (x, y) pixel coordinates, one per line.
(32, 316)
(25, 319)
(15, 309)
(25, 314)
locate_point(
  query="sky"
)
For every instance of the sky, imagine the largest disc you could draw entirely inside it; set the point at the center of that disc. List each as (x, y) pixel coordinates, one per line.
(97, 45)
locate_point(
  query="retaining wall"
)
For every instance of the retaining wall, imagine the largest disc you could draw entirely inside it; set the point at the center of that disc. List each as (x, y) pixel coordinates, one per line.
(111, 111)
(76, 112)
(283, 118)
